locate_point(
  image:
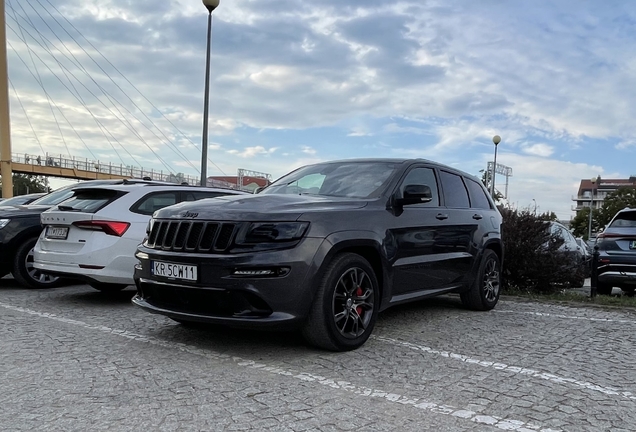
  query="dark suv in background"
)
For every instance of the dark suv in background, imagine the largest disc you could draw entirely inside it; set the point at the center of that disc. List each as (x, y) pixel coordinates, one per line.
(324, 249)
(617, 254)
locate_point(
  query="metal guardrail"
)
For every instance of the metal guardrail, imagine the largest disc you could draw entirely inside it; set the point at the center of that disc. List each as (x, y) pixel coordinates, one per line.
(108, 168)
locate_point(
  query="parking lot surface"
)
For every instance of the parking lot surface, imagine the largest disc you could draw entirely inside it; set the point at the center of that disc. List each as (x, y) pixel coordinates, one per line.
(74, 358)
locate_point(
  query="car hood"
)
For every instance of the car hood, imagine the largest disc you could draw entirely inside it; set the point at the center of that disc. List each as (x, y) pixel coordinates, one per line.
(9, 212)
(257, 207)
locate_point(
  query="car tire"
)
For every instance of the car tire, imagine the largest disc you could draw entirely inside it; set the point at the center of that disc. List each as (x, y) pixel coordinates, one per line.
(346, 305)
(603, 289)
(107, 287)
(484, 293)
(24, 272)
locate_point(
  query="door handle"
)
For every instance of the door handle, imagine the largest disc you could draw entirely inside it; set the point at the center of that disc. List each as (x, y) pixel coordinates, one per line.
(441, 216)
(477, 216)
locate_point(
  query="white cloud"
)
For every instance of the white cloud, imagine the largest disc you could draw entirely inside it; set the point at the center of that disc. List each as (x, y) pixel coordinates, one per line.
(250, 152)
(540, 149)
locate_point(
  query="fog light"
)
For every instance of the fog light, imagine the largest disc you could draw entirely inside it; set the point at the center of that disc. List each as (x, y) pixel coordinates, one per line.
(254, 272)
(275, 272)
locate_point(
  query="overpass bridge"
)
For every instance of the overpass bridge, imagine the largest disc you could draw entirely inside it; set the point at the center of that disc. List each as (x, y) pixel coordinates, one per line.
(85, 169)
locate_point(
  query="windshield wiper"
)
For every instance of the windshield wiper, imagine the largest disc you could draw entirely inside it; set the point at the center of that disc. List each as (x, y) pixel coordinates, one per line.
(67, 208)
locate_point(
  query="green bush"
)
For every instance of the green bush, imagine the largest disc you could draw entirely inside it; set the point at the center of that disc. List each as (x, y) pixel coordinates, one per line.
(532, 259)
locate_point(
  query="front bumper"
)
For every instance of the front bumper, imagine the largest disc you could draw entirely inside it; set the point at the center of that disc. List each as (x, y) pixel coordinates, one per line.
(219, 296)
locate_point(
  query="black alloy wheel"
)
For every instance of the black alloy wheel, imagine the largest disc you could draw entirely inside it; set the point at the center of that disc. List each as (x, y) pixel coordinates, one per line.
(346, 305)
(484, 293)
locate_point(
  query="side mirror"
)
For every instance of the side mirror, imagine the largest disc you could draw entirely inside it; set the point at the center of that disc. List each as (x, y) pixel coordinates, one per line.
(415, 194)
(259, 189)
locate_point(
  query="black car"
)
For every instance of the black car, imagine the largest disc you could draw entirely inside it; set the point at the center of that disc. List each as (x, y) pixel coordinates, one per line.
(324, 249)
(21, 199)
(20, 228)
(617, 254)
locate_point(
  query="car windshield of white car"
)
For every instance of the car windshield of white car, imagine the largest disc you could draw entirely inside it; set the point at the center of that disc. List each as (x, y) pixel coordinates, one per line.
(90, 200)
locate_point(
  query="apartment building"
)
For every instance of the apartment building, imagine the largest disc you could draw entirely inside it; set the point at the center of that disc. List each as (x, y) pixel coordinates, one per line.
(594, 193)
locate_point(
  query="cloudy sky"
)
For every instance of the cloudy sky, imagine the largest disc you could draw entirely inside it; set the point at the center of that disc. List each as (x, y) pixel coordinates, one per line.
(295, 82)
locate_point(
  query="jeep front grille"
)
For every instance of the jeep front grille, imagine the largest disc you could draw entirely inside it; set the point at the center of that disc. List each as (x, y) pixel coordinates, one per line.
(191, 236)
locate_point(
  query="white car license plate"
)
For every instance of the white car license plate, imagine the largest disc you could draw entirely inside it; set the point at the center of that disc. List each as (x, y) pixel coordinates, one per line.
(174, 271)
(54, 232)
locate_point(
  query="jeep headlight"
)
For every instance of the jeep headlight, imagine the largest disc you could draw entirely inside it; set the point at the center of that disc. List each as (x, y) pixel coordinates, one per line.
(270, 232)
(4, 222)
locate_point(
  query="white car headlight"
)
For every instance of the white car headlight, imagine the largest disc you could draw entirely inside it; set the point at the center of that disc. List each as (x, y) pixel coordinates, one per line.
(4, 222)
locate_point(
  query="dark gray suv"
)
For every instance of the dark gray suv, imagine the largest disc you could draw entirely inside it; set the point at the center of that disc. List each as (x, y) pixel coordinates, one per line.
(617, 254)
(324, 249)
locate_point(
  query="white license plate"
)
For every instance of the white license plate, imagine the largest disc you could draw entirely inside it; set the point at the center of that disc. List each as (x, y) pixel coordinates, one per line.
(174, 271)
(54, 232)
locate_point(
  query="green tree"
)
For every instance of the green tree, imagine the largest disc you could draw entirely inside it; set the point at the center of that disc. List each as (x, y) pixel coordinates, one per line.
(548, 216)
(580, 223)
(615, 201)
(27, 183)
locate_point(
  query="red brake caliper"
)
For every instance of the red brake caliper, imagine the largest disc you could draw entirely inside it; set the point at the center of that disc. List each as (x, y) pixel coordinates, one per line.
(359, 308)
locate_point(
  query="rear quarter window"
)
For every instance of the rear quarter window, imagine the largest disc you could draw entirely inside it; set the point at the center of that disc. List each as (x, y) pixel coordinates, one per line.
(478, 198)
(153, 202)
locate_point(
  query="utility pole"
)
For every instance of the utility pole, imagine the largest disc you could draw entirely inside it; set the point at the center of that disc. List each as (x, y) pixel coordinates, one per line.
(5, 120)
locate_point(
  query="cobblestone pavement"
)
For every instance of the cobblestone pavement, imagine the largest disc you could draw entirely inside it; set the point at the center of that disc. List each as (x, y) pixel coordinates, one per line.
(75, 359)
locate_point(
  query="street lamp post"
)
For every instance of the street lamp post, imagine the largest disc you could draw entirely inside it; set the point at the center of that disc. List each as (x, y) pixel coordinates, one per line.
(535, 205)
(496, 140)
(589, 226)
(210, 5)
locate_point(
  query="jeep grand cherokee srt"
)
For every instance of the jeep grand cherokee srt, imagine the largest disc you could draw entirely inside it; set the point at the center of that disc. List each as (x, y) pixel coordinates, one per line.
(324, 249)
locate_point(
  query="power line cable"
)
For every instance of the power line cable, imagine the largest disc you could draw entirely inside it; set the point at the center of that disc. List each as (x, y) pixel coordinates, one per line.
(170, 169)
(78, 64)
(107, 94)
(26, 115)
(39, 80)
(76, 94)
(120, 73)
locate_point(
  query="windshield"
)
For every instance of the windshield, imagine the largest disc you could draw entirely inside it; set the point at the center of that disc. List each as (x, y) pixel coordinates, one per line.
(624, 220)
(341, 179)
(55, 197)
(18, 200)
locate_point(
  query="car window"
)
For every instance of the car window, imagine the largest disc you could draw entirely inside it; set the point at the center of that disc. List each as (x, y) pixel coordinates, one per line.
(624, 220)
(455, 193)
(478, 197)
(197, 195)
(153, 202)
(422, 176)
(90, 200)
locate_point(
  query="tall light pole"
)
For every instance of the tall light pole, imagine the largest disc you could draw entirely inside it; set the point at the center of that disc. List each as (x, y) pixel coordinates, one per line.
(210, 5)
(589, 226)
(535, 205)
(496, 140)
(5, 123)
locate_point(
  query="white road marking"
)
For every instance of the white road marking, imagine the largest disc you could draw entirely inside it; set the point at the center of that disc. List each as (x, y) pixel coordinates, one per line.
(572, 317)
(421, 404)
(509, 368)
